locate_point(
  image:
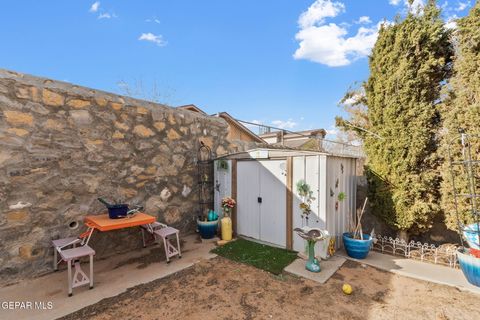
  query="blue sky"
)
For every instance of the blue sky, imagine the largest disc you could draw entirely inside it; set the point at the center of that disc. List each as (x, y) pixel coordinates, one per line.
(280, 62)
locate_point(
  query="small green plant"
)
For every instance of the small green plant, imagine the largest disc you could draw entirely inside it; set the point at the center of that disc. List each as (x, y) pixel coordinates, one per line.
(342, 196)
(222, 164)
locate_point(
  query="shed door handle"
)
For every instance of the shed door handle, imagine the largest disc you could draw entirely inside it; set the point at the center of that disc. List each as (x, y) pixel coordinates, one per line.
(259, 199)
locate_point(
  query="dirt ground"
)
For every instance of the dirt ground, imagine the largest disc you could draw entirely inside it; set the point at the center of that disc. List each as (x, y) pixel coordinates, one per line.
(222, 289)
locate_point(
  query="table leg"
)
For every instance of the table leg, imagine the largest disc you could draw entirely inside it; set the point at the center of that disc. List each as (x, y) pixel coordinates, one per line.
(91, 271)
(165, 244)
(178, 246)
(69, 263)
(55, 262)
(143, 238)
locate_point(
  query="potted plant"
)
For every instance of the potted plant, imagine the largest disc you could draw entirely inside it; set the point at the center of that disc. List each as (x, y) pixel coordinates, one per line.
(208, 225)
(356, 243)
(226, 223)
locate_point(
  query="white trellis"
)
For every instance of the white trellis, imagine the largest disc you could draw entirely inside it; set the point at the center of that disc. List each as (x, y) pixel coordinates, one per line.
(445, 255)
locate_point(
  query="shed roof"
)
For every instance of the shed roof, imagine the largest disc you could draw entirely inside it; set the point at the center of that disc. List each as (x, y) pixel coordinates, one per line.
(278, 153)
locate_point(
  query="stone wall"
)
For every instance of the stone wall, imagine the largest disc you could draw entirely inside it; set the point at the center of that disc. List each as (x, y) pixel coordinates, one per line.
(62, 146)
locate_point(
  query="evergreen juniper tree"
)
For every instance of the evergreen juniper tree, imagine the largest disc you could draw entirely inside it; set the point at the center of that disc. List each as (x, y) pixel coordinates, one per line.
(461, 111)
(410, 60)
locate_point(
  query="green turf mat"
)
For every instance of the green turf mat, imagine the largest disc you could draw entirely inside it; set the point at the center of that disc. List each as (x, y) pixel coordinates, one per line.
(261, 256)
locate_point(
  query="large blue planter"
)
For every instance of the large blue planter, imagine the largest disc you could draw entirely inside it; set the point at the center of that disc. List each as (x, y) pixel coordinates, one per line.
(356, 248)
(470, 266)
(207, 229)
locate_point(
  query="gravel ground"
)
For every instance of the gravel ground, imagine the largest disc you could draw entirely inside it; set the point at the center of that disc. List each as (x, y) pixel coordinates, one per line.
(222, 289)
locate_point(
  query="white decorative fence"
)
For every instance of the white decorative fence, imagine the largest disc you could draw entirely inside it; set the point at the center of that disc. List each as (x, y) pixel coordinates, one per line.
(444, 254)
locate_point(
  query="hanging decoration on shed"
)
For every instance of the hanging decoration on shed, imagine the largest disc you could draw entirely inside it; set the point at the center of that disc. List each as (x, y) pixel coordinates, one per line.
(305, 192)
(222, 164)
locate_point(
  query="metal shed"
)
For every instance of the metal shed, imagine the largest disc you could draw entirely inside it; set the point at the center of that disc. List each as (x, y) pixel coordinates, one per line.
(263, 182)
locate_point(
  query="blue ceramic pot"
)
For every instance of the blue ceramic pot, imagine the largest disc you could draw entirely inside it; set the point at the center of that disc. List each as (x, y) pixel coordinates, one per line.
(470, 266)
(207, 229)
(356, 248)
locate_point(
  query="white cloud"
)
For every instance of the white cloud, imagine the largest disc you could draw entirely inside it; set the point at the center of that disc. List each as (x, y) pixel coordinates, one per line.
(288, 124)
(353, 99)
(462, 6)
(155, 20)
(451, 22)
(416, 5)
(318, 11)
(107, 15)
(364, 19)
(330, 44)
(95, 6)
(157, 39)
(332, 132)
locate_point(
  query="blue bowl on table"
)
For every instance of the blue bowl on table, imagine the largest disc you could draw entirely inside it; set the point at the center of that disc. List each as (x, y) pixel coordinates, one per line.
(117, 211)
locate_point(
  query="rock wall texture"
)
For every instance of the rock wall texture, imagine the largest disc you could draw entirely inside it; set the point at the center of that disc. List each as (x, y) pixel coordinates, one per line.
(62, 146)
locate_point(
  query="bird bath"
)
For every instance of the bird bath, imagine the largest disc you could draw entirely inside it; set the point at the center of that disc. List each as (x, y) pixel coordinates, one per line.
(312, 235)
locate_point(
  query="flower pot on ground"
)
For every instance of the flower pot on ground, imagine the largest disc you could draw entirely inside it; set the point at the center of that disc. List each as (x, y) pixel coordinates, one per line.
(357, 248)
(207, 229)
(470, 266)
(226, 223)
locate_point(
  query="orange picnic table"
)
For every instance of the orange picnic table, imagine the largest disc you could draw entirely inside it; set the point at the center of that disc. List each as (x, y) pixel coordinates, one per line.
(103, 223)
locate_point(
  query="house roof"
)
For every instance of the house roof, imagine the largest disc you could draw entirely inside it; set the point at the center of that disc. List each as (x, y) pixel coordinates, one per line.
(227, 117)
(232, 121)
(192, 107)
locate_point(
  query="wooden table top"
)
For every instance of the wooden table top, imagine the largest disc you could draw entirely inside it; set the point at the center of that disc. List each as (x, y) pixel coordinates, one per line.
(103, 223)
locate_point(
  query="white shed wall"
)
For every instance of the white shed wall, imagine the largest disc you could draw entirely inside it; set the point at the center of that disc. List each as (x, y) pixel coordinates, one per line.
(312, 170)
(340, 217)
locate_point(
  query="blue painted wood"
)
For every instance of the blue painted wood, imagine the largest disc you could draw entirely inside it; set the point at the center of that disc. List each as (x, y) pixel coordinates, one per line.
(355, 248)
(471, 233)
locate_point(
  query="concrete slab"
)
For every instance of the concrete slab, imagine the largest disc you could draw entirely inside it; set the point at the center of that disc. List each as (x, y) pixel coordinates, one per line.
(112, 277)
(327, 267)
(417, 270)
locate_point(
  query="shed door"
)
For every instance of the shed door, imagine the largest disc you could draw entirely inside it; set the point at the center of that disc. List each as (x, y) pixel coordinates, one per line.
(273, 220)
(223, 183)
(261, 197)
(248, 191)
